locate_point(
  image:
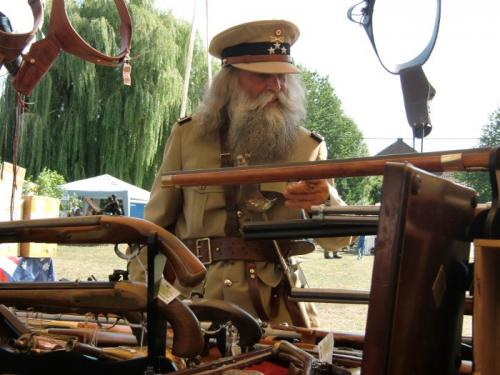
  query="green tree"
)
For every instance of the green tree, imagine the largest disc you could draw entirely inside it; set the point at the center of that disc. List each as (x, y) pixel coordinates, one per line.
(326, 117)
(48, 184)
(480, 181)
(83, 121)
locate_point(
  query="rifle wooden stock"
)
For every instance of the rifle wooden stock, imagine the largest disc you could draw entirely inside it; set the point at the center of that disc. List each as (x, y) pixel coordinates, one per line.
(48, 324)
(105, 353)
(107, 229)
(42, 344)
(101, 338)
(72, 320)
(38, 343)
(10, 324)
(453, 160)
(114, 297)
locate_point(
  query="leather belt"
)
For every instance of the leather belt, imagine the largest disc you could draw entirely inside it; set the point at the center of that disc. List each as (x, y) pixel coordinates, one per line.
(210, 250)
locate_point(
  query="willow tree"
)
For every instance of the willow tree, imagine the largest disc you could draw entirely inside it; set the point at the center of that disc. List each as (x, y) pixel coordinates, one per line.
(83, 121)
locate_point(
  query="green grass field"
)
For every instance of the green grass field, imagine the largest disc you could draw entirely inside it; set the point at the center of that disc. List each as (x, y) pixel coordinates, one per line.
(80, 263)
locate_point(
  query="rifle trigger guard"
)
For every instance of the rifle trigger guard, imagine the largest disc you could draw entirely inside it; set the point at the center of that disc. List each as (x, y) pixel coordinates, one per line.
(135, 251)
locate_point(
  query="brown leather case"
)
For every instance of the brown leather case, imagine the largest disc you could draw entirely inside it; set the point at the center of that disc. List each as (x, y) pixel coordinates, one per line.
(418, 285)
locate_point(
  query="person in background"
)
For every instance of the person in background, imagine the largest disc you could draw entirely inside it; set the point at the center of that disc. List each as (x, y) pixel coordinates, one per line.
(253, 113)
(334, 255)
(361, 247)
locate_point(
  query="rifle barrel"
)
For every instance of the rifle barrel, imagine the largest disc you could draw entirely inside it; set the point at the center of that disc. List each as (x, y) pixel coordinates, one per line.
(453, 160)
(310, 228)
(324, 295)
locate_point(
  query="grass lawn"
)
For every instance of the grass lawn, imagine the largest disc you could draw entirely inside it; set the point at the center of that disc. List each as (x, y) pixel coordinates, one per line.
(80, 263)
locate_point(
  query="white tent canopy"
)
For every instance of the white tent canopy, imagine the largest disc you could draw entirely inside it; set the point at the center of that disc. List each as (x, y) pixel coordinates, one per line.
(101, 187)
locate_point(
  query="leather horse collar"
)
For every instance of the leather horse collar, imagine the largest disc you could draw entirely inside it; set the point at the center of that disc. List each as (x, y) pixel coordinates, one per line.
(12, 44)
(62, 36)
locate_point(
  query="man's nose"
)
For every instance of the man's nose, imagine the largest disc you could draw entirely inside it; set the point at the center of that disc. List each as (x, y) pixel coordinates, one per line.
(274, 83)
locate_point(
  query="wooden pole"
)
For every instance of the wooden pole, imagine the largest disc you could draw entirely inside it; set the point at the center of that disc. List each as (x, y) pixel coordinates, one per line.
(189, 61)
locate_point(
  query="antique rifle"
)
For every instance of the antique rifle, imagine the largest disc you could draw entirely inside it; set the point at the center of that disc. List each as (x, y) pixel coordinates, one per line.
(107, 229)
(283, 353)
(442, 161)
(325, 221)
(115, 297)
(98, 337)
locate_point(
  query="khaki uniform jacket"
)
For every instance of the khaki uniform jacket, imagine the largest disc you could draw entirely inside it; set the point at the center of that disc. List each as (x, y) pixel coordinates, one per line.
(199, 211)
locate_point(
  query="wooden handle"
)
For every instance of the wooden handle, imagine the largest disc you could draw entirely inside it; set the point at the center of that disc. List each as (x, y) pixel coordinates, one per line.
(107, 229)
(188, 339)
(218, 311)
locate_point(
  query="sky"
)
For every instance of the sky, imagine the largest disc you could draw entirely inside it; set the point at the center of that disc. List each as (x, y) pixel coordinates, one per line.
(463, 68)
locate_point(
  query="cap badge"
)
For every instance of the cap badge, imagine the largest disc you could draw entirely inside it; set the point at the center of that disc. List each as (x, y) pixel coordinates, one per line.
(277, 40)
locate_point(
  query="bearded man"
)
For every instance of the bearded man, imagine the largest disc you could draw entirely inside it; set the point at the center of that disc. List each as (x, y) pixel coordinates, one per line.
(253, 114)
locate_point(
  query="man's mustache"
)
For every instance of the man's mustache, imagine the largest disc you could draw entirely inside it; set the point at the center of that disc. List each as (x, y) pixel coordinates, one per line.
(268, 97)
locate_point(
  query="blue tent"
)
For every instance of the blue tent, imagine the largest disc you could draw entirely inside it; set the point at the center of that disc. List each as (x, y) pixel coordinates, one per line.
(101, 187)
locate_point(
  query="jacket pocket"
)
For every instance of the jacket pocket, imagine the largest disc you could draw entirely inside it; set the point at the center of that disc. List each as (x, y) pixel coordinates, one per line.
(204, 210)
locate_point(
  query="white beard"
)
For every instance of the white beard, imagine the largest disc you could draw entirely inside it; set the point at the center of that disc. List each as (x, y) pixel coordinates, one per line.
(266, 134)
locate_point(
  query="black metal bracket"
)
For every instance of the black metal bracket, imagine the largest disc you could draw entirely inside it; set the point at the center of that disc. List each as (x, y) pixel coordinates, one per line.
(157, 326)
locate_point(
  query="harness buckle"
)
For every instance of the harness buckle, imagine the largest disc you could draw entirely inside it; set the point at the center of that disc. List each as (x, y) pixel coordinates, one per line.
(200, 247)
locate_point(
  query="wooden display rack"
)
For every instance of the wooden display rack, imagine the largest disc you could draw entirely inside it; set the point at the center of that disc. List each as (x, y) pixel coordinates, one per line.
(486, 318)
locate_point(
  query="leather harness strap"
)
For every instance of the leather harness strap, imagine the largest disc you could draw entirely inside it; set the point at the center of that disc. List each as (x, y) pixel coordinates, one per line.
(230, 191)
(12, 44)
(254, 291)
(293, 307)
(227, 248)
(233, 247)
(62, 36)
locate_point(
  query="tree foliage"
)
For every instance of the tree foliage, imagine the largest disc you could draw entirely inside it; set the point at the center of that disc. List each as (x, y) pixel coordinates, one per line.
(342, 136)
(479, 181)
(47, 184)
(83, 121)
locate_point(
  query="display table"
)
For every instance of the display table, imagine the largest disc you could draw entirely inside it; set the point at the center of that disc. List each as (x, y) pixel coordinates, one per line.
(26, 269)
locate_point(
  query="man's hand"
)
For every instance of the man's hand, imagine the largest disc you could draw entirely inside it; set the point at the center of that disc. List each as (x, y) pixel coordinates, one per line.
(307, 193)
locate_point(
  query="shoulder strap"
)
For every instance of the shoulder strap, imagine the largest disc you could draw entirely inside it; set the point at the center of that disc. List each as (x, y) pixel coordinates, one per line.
(230, 193)
(62, 36)
(70, 41)
(12, 44)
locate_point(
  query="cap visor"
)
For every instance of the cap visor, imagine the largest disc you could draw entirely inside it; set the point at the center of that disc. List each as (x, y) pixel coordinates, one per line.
(270, 67)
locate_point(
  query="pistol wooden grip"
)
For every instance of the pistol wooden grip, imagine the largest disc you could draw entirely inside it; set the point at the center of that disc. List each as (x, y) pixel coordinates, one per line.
(188, 339)
(218, 311)
(188, 269)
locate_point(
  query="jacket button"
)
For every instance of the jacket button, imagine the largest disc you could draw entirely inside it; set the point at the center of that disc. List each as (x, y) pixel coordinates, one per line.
(228, 283)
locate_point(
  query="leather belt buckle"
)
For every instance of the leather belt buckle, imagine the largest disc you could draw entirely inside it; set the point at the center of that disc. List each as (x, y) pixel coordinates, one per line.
(199, 250)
